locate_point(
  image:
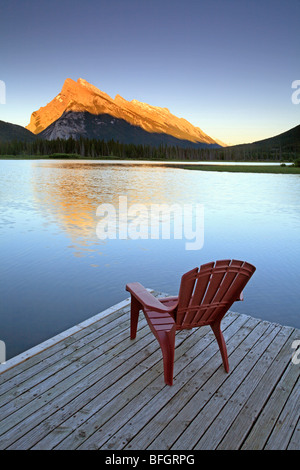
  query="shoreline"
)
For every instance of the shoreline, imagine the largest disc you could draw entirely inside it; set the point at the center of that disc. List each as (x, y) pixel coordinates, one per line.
(271, 169)
(234, 167)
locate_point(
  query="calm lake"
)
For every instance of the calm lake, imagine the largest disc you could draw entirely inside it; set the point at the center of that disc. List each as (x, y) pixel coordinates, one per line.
(56, 272)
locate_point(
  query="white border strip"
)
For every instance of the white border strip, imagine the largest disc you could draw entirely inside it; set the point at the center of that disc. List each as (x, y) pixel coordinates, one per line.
(61, 336)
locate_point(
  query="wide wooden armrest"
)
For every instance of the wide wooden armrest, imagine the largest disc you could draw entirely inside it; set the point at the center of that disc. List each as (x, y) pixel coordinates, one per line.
(146, 299)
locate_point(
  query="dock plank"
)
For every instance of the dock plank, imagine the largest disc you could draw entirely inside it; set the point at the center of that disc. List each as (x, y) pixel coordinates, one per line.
(184, 391)
(255, 367)
(215, 393)
(285, 425)
(91, 387)
(237, 433)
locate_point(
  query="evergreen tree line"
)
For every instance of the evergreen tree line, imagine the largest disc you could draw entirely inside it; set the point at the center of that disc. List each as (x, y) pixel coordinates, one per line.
(92, 148)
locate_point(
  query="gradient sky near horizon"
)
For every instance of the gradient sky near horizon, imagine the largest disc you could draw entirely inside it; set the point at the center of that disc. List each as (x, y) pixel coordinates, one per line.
(227, 66)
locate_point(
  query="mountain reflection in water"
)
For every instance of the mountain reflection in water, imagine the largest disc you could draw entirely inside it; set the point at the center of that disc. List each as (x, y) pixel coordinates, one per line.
(56, 272)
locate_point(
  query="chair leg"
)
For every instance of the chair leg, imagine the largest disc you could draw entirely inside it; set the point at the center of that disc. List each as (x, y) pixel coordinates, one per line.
(166, 340)
(216, 327)
(134, 316)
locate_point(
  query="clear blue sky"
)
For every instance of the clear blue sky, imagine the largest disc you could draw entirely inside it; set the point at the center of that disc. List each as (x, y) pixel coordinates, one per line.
(225, 65)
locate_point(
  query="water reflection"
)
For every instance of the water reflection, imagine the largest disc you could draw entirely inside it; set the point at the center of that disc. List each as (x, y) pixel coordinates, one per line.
(55, 272)
(70, 193)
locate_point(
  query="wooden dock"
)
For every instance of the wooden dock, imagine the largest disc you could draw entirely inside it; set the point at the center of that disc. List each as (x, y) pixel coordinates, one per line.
(93, 388)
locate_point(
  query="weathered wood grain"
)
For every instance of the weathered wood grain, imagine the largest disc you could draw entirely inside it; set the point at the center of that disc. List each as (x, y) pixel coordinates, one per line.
(94, 388)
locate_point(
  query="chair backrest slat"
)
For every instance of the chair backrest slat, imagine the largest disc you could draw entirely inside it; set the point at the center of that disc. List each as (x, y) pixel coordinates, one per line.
(229, 279)
(185, 315)
(220, 278)
(201, 287)
(217, 287)
(203, 293)
(234, 290)
(215, 281)
(185, 292)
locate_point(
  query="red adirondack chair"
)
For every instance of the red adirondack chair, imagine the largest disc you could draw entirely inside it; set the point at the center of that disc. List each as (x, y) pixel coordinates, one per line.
(205, 295)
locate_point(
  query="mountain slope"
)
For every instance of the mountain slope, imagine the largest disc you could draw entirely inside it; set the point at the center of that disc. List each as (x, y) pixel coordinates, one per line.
(9, 132)
(288, 140)
(86, 125)
(82, 97)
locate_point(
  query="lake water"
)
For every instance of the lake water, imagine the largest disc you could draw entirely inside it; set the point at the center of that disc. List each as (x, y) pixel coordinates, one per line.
(55, 271)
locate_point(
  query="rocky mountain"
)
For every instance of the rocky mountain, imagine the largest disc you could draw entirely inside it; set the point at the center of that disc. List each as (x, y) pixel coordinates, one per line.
(106, 127)
(9, 132)
(81, 109)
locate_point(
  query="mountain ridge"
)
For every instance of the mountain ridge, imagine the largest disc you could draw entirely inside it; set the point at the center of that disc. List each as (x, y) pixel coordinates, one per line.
(82, 96)
(284, 146)
(286, 140)
(10, 132)
(85, 125)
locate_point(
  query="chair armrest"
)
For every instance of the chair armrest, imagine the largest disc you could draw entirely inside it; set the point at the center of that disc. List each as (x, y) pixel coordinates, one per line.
(145, 298)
